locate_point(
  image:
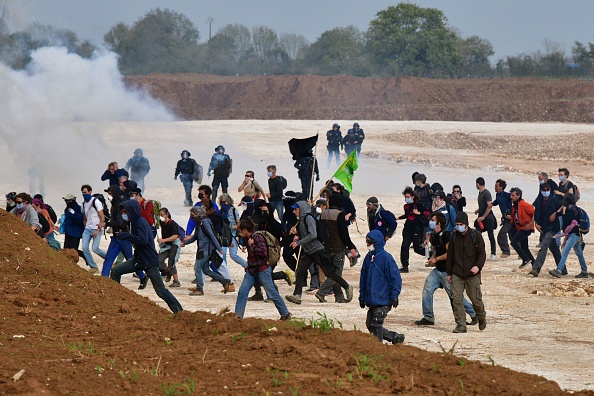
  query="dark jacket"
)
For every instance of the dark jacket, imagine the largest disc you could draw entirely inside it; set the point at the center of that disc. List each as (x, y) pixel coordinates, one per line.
(303, 166)
(141, 236)
(114, 178)
(185, 167)
(275, 187)
(220, 164)
(116, 222)
(204, 234)
(382, 220)
(306, 228)
(353, 138)
(270, 224)
(463, 253)
(571, 213)
(74, 222)
(415, 221)
(334, 139)
(139, 166)
(543, 211)
(338, 231)
(380, 280)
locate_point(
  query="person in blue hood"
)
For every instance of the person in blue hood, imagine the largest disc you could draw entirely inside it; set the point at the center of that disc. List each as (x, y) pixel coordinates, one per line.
(145, 255)
(379, 287)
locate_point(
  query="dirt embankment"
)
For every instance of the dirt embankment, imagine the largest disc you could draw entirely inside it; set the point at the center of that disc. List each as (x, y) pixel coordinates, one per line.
(204, 97)
(66, 332)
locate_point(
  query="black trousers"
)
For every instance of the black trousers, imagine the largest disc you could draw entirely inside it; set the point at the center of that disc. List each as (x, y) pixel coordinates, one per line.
(71, 242)
(414, 237)
(375, 323)
(322, 261)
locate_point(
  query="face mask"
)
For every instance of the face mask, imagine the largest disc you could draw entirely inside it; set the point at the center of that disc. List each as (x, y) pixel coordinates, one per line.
(125, 217)
(269, 174)
(545, 193)
(11, 204)
(162, 219)
(200, 196)
(461, 228)
(432, 224)
(371, 248)
(408, 200)
(541, 181)
(562, 178)
(318, 210)
(109, 198)
(87, 197)
(132, 198)
(265, 214)
(20, 206)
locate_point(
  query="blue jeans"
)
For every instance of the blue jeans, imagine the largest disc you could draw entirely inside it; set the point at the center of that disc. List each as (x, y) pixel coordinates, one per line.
(573, 241)
(201, 266)
(86, 240)
(188, 182)
(333, 152)
(279, 208)
(233, 254)
(117, 246)
(436, 280)
(155, 276)
(265, 278)
(547, 243)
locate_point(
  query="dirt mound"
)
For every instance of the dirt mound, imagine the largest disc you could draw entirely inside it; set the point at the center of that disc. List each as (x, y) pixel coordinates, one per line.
(573, 288)
(74, 333)
(194, 97)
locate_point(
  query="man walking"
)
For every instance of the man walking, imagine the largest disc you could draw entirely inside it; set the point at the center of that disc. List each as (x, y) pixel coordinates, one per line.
(546, 206)
(94, 221)
(354, 140)
(466, 258)
(139, 167)
(485, 221)
(222, 165)
(185, 168)
(380, 219)
(379, 287)
(276, 185)
(503, 200)
(522, 220)
(334, 137)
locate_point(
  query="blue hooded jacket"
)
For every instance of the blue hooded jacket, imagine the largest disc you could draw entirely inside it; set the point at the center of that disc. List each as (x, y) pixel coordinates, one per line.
(74, 222)
(380, 280)
(145, 254)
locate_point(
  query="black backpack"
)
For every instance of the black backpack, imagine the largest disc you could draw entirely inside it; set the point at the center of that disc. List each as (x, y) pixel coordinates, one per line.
(321, 231)
(283, 182)
(52, 214)
(45, 225)
(101, 199)
(225, 235)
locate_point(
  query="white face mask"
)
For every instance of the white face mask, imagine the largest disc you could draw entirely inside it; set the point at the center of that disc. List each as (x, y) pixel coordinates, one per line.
(162, 219)
(408, 200)
(432, 224)
(541, 181)
(269, 174)
(318, 210)
(371, 248)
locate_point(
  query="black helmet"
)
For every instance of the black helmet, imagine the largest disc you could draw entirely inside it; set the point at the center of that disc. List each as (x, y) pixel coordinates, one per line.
(220, 147)
(185, 152)
(336, 126)
(356, 125)
(11, 195)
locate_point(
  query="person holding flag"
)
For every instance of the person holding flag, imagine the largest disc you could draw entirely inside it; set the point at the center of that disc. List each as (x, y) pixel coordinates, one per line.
(305, 162)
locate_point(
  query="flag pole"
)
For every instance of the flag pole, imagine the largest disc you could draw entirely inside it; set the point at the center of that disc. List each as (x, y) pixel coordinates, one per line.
(313, 168)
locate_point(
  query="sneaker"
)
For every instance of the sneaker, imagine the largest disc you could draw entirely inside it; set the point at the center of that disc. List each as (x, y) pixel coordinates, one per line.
(524, 263)
(349, 294)
(231, 289)
(555, 272)
(197, 292)
(286, 317)
(312, 290)
(143, 282)
(582, 275)
(482, 324)
(320, 297)
(192, 288)
(93, 270)
(294, 299)
(256, 297)
(168, 278)
(289, 277)
(404, 269)
(473, 321)
(268, 300)
(459, 329)
(534, 273)
(340, 300)
(226, 286)
(564, 272)
(175, 284)
(424, 322)
(493, 257)
(504, 255)
(398, 339)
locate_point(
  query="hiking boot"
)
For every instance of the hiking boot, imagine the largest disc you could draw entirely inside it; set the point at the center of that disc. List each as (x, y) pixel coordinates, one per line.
(349, 294)
(482, 324)
(504, 255)
(231, 289)
(564, 272)
(533, 272)
(256, 297)
(93, 270)
(175, 284)
(582, 275)
(226, 286)
(194, 281)
(320, 297)
(555, 272)
(286, 317)
(143, 282)
(168, 278)
(398, 339)
(197, 292)
(339, 300)
(289, 277)
(312, 290)
(493, 257)
(473, 321)
(459, 329)
(424, 322)
(294, 299)
(524, 263)
(404, 269)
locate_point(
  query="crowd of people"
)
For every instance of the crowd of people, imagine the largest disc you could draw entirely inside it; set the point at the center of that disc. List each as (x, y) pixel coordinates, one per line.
(312, 237)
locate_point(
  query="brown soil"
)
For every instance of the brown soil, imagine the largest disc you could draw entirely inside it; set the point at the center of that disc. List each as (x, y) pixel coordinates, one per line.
(195, 97)
(74, 333)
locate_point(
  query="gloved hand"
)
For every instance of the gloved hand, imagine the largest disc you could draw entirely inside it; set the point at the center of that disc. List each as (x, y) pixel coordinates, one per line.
(394, 302)
(71, 211)
(175, 177)
(362, 304)
(317, 177)
(208, 174)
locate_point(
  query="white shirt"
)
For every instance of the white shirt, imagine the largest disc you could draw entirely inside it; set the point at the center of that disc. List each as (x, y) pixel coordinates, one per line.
(92, 213)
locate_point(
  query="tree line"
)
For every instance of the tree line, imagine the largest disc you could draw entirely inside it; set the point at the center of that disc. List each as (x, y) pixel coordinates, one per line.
(402, 40)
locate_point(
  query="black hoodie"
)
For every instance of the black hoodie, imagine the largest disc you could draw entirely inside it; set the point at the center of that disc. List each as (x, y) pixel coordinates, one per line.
(145, 254)
(116, 222)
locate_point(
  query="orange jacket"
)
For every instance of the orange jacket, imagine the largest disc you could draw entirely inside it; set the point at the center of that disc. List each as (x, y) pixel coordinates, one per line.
(525, 215)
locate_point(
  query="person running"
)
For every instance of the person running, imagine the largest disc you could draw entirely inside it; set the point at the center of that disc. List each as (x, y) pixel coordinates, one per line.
(169, 247)
(485, 221)
(25, 211)
(413, 232)
(94, 222)
(503, 200)
(73, 225)
(146, 257)
(522, 220)
(546, 207)
(276, 185)
(379, 287)
(185, 171)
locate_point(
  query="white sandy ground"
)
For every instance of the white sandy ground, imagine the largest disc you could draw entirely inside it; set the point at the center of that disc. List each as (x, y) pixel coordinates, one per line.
(548, 336)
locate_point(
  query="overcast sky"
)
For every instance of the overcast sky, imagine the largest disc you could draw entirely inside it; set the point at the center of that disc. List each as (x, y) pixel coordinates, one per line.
(512, 26)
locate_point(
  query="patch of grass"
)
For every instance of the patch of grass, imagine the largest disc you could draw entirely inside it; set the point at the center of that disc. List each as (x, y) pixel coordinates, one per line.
(99, 369)
(277, 376)
(81, 348)
(168, 341)
(294, 392)
(436, 368)
(368, 367)
(461, 363)
(176, 389)
(237, 337)
(461, 387)
(491, 360)
(324, 323)
(297, 323)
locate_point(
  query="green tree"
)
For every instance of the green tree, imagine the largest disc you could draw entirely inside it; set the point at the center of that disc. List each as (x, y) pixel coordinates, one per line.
(161, 41)
(475, 52)
(241, 43)
(267, 50)
(409, 40)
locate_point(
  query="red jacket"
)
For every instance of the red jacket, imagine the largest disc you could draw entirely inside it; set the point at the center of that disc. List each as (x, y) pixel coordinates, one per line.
(525, 215)
(147, 211)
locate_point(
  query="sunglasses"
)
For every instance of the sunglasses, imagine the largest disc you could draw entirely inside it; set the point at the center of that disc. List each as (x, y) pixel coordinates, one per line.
(456, 191)
(370, 204)
(19, 202)
(265, 212)
(249, 176)
(546, 189)
(369, 242)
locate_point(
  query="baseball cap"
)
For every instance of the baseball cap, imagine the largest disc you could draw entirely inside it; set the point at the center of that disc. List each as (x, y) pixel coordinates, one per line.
(321, 202)
(69, 197)
(294, 206)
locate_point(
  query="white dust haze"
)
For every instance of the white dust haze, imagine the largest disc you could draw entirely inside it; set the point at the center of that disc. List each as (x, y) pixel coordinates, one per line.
(51, 114)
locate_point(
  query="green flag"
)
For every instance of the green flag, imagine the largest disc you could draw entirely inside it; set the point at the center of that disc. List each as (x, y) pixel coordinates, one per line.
(346, 171)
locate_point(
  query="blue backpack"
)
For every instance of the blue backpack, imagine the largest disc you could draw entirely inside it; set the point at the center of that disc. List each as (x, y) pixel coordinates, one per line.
(181, 232)
(584, 222)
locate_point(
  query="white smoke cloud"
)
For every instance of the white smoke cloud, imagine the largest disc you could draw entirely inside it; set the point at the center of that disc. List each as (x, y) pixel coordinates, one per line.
(51, 112)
